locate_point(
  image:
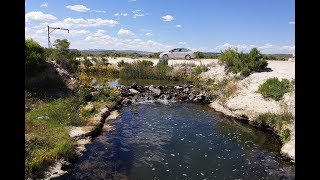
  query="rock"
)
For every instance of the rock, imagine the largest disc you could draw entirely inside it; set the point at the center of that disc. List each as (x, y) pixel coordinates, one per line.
(199, 98)
(186, 90)
(104, 112)
(133, 91)
(108, 128)
(157, 91)
(126, 101)
(191, 96)
(94, 121)
(178, 87)
(78, 132)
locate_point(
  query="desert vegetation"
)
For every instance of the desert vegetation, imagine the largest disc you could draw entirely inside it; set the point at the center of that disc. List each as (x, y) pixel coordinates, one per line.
(274, 88)
(243, 63)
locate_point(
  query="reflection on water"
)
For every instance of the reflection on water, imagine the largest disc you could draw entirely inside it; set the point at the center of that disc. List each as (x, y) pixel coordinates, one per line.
(181, 141)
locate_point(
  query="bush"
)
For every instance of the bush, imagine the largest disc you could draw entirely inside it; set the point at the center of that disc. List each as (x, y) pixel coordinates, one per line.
(145, 63)
(199, 69)
(107, 71)
(34, 57)
(275, 89)
(121, 63)
(87, 62)
(145, 70)
(243, 63)
(277, 122)
(199, 55)
(162, 62)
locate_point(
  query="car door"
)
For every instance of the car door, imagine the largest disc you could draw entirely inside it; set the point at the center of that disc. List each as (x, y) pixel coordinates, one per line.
(175, 53)
(184, 52)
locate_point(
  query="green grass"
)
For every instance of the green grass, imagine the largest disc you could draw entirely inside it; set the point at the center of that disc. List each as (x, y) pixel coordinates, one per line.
(275, 89)
(277, 122)
(47, 128)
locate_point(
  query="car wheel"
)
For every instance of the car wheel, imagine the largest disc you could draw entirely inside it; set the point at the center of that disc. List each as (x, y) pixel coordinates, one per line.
(188, 57)
(166, 57)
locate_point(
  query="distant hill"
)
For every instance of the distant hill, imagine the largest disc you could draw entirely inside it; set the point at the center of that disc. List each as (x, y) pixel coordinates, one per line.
(107, 50)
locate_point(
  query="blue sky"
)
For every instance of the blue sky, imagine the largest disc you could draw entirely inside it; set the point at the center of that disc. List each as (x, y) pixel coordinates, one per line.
(159, 25)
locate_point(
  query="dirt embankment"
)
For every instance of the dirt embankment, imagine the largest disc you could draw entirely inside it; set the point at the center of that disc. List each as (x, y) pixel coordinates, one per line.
(247, 102)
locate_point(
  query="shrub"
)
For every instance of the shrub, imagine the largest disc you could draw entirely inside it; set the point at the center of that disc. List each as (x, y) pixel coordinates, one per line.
(275, 89)
(162, 62)
(199, 69)
(277, 122)
(199, 55)
(243, 63)
(34, 57)
(145, 63)
(87, 62)
(145, 70)
(121, 63)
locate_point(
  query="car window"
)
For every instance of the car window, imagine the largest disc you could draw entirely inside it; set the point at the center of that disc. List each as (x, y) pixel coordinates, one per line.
(184, 50)
(175, 50)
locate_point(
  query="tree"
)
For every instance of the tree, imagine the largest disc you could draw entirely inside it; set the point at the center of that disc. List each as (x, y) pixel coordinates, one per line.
(64, 57)
(34, 57)
(62, 46)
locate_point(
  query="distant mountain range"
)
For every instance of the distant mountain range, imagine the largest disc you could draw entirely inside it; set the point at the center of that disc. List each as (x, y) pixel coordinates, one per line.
(129, 51)
(126, 51)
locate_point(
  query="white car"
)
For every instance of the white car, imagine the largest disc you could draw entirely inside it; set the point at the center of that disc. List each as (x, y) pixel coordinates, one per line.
(178, 53)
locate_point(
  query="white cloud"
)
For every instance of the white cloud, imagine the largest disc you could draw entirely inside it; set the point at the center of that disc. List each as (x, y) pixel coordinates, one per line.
(78, 8)
(167, 18)
(39, 16)
(45, 4)
(178, 26)
(132, 0)
(107, 42)
(292, 22)
(182, 43)
(99, 11)
(266, 48)
(81, 23)
(138, 13)
(125, 32)
(99, 39)
(146, 30)
(121, 14)
(148, 34)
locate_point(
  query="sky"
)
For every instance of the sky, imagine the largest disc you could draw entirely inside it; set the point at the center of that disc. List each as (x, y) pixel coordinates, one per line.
(161, 25)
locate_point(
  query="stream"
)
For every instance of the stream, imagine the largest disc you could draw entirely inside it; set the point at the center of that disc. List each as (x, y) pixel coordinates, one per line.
(181, 141)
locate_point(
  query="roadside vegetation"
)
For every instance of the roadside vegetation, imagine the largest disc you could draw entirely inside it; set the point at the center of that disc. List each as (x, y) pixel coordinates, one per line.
(243, 63)
(277, 123)
(275, 89)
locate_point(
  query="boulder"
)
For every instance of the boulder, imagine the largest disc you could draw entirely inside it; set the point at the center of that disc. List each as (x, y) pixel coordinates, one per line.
(156, 91)
(133, 91)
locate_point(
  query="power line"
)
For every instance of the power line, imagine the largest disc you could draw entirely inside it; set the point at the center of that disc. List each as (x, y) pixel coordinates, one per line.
(49, 43)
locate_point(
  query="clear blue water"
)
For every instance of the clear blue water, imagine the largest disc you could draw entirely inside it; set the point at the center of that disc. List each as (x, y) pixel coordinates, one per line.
(181, 141)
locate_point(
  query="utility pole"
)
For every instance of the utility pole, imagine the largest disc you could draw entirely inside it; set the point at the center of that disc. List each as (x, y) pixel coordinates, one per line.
(49, 43)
